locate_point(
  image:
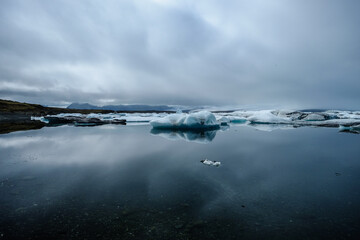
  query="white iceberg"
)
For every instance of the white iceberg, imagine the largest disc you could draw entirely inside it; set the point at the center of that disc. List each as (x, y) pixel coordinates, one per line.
(314, 117)
(330, 118)
(143, 117)
(268, 116)
(210, 163)
(203, 120)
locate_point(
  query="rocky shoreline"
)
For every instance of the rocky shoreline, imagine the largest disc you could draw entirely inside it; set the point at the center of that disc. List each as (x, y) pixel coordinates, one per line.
(16, 116)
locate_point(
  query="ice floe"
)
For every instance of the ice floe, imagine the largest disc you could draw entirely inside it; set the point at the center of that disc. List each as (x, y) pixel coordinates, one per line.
(223, 120)
(202, 120)
(210, 163)
(205, 120)
(351, 129)
(326, 118)
(80, 120)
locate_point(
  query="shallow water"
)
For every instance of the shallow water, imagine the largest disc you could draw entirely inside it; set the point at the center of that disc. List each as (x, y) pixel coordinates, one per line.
(128, 182)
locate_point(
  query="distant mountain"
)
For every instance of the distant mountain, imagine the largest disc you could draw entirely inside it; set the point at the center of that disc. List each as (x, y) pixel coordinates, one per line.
(121, 107)
(82, 106)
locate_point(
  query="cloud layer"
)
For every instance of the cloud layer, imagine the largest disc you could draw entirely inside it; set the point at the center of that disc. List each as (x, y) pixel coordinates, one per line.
(280, 53)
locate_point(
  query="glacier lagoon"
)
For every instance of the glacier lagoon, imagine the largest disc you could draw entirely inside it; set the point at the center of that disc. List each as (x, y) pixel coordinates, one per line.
(134, 182)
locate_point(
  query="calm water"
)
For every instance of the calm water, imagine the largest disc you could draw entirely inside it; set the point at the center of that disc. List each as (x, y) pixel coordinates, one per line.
(128, 182)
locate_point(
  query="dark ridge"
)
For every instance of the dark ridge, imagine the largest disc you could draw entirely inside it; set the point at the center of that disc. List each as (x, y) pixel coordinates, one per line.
(8, 108)
(126, 108)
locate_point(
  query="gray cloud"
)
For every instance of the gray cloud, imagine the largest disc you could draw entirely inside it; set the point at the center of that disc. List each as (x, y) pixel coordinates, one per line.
(278, 53)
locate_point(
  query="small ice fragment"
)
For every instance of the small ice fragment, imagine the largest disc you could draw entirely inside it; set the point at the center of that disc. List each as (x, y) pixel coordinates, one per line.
(224, 121)
(344, 128)
(210, 163)
(356, 127)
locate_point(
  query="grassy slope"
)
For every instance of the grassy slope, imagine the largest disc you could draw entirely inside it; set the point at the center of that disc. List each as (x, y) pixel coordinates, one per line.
(12, 107)
(15, 116)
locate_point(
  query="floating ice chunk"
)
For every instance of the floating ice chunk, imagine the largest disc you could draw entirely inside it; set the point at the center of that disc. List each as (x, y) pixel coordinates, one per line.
(314, 117)
(352, 129)
(210, 163)
(344, 114)
(330, 123)
(260, 117)
(208, 121)
(41, 119)
(230, 117)
(267, 116)
(356, 127)
(332, 118)
(238, 120)
(344, 128)
(203, 120)
(224, 121)
(143, 117)
(68, 115)
(82, 119)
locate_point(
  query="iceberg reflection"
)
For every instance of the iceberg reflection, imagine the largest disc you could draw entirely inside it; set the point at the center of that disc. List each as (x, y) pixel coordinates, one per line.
(188, 135)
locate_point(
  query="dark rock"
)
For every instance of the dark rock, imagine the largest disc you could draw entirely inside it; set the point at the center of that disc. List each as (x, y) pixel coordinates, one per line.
(81, 120)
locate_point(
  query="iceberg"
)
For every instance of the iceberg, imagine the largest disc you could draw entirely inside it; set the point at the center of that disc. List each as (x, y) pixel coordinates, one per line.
(330, 118)
(205, 120)
(143, 117)
(202, 120)
(315, 117)
(232, 117)
(268, 116)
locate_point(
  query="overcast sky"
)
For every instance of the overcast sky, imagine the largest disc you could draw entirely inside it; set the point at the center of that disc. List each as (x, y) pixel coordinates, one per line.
(282, 53)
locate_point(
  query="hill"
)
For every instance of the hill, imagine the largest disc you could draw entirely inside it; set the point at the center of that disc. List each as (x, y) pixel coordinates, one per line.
(8, 107)
(16, 116)
(123, 108)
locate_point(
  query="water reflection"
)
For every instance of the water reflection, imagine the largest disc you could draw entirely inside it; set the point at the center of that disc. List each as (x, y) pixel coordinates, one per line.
(190, 136)
(120, 182)
(272, 127)
(198, 136)
(350, 131)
